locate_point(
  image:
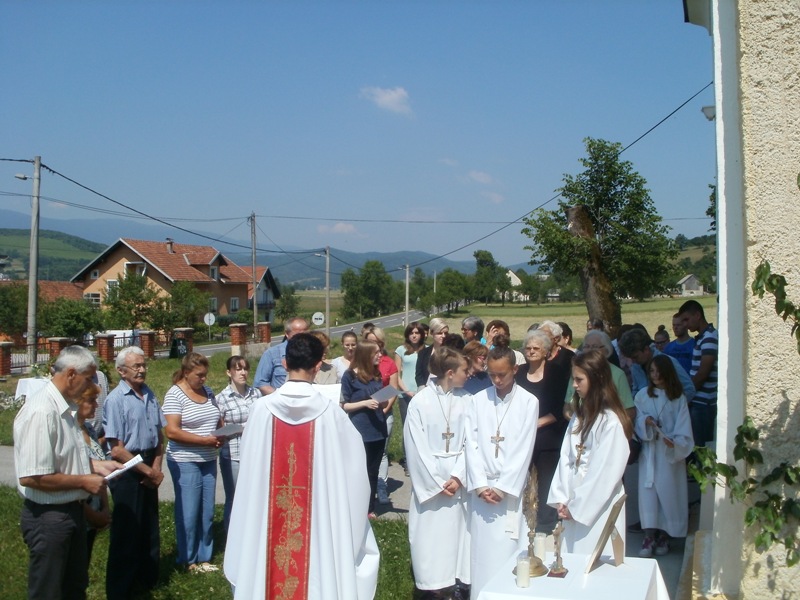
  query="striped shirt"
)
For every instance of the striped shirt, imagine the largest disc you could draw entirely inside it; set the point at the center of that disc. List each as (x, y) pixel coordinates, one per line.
(47, 440)
(199, 419)
(235, 409)
(706, 345)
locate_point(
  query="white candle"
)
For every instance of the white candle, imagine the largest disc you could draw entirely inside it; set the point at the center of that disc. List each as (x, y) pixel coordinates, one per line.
(523, 571)
(540, 545)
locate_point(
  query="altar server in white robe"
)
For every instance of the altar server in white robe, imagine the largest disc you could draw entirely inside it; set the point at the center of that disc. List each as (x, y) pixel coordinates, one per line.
(664, 425)
(500, 437)
(434, 437)
(594, 454)
(332, 550)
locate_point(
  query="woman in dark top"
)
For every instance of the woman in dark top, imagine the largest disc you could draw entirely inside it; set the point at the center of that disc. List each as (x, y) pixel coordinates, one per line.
(439, 331)
(478, 379)
(359, 383)
(545, 381)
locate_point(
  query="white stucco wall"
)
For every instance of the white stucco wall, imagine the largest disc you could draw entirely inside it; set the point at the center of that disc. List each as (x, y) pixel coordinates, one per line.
(768, 60)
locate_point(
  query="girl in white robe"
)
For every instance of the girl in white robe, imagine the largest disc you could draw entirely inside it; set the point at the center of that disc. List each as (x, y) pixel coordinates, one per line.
(665, 428)
(434, 436)
(594, 453)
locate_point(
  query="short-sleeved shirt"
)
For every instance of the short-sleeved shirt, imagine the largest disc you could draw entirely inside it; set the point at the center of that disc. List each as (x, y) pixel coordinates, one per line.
(235, 409)
(706, 344)
(550, 393)
(370, 423)
(409, 371)
(270, 370)
(48, 440)
(682, 352)
(387, 367)
(199, 419)
(134, 421)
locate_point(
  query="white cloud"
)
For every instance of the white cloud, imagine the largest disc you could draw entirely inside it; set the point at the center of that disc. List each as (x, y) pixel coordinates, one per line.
(480, 177)
(450, 162)
(338, 228)
(494, 197)
(392, 99)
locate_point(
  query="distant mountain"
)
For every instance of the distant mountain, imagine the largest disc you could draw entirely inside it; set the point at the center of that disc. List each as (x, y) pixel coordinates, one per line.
(67, 250)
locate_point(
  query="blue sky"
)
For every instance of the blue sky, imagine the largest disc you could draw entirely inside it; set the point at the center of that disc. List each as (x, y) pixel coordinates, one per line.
(434, 111)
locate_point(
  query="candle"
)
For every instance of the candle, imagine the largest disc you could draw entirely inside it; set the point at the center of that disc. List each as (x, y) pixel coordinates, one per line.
(540, 545)
(523, 571)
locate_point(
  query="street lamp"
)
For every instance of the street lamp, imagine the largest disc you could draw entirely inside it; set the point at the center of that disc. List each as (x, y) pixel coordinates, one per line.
(33, 266)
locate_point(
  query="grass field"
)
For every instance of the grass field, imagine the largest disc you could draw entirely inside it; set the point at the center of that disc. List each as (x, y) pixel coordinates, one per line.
(394, 581)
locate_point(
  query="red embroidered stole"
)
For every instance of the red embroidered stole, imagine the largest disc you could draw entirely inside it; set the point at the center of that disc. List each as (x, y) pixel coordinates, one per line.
(289, 524)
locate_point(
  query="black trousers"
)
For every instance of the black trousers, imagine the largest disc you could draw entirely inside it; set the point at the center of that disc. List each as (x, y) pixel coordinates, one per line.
(58, 559)
(134, 545)
(374, 452)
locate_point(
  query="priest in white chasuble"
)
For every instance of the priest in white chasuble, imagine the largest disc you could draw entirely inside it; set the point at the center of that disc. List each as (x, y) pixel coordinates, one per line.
(501, 431)
(434, 436)
(299, 526)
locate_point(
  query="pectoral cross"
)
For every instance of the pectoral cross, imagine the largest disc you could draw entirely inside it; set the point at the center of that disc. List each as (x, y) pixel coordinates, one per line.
(496, 439)
(580, 448)
(446, 437)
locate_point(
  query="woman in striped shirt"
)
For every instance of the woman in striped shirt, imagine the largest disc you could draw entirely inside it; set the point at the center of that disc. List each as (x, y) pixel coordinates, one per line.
(192, 416)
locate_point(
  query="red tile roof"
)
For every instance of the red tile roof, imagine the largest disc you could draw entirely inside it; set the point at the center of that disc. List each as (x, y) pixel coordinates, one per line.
(176, 265)
(50, 291)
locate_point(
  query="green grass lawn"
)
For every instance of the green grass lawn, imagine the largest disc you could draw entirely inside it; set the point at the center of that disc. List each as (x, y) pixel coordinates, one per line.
(394, 581)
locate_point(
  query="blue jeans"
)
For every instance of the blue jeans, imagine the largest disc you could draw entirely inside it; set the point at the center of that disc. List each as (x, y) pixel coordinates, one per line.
(195, 483)
(230, 473)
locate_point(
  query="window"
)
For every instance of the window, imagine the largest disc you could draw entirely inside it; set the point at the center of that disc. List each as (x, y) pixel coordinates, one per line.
(111, 283)
(93, 298)
(212, 303)
(213, 272)
(234, 305)
(95, 274)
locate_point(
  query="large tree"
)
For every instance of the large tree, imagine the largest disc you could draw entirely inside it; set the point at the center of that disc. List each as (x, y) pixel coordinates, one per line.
(487, 276)
(69, 318)
(607, 232)
(370, 293)
(13, 308)
(131, 303)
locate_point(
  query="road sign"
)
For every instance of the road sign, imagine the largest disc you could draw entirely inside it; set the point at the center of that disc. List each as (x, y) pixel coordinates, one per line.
(209, 319)
(318, 318)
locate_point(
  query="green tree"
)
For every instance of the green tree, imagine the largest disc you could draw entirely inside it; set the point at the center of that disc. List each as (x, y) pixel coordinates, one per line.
(131, 303)
(370, 293)
(487, 276)
(420, 288)
(607, 232)
(69, 318)
(13, 308)
(288, 305)
(452, 288)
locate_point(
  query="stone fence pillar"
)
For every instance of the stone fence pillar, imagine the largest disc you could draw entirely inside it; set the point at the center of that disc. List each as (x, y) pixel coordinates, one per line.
(56, 344)
(148, 341)
(5, 358)
(263, 332)
(105, 346)
(186, 333)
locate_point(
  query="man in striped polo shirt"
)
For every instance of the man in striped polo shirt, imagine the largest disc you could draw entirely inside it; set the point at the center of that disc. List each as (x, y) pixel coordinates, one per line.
(703, 408)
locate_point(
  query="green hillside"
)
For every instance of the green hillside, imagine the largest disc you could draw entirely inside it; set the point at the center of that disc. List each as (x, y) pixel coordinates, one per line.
(60, 255)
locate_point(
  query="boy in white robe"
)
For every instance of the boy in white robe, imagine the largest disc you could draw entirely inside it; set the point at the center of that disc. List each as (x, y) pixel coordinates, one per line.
(434, 438)
(501, 434)
(341, 552)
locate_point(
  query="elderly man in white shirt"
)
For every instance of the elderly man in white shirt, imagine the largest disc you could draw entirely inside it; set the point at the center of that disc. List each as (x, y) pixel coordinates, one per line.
(55, 477)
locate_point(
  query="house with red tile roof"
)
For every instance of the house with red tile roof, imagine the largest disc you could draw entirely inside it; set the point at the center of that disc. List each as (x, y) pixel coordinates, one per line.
(168, 262)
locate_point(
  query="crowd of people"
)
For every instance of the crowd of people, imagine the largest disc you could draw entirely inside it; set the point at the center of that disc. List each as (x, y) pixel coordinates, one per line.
(304, 471)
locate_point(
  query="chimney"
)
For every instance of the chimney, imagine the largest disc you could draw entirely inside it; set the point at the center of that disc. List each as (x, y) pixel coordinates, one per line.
(169, 246)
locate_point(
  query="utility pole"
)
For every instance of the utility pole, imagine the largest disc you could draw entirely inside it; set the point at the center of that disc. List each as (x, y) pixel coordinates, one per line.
(407, 285)
(252, 220)
(328, 291)
(33, 266)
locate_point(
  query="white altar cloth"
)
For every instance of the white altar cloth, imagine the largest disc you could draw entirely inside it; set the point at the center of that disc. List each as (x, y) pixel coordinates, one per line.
(30, 385)
(635, 579)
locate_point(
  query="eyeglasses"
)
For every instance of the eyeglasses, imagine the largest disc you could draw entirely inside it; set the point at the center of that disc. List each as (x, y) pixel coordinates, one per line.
(137, 367)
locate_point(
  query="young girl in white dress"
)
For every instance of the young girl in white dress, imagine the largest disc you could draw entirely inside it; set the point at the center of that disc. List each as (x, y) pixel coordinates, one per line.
(434, 437)
(665, 428)
(594, 454)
